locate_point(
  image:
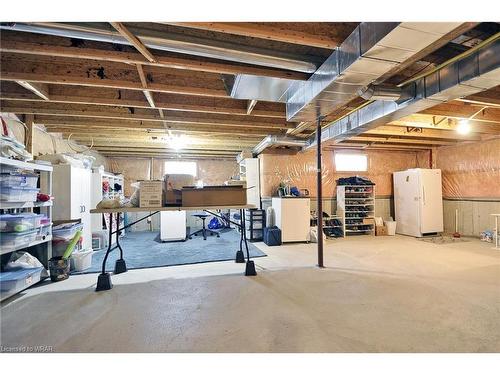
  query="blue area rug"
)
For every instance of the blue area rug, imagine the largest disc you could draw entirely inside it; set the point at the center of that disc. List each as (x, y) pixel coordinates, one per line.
(144, 250)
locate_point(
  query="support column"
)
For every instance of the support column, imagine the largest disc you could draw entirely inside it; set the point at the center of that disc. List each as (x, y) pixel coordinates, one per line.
(319, 193)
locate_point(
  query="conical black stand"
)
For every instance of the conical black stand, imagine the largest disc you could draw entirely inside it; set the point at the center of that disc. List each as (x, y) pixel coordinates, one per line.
(250, 269)
(103, 282)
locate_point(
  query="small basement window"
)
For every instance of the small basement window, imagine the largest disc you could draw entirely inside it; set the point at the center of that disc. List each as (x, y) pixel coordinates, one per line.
(351, 162)
(180, 167)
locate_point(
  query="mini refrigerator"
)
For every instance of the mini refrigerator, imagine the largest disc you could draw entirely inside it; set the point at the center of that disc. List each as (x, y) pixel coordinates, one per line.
(418, 202)
(172, 225)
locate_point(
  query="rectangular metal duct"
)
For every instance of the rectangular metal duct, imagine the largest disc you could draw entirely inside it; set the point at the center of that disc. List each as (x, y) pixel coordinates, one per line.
(477, 72)
(250, 87)
(371, 50)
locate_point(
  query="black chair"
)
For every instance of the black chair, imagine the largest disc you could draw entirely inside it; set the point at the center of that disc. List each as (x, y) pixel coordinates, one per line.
(203, 230)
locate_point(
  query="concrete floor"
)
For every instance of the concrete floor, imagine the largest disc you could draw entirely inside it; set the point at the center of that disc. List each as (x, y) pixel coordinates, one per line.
(377, 294)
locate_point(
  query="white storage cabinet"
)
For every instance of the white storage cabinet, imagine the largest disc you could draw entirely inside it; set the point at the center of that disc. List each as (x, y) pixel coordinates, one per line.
(72, 197)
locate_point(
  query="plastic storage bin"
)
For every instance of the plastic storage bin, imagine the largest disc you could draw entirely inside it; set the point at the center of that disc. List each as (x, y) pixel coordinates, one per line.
(12, 282)
(43, 232)
(67, 232)
(20, 222)
(28, 180)
(81, 260)
(18, 194)
(17, 239)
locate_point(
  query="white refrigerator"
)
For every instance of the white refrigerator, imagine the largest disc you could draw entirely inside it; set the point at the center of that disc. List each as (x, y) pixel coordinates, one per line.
(418, 202)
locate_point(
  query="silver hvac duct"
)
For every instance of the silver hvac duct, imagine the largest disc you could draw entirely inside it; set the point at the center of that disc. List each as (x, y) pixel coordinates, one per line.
(170, 42)
(372, 92)
(371, 50)
(274, 140)
(469, 75)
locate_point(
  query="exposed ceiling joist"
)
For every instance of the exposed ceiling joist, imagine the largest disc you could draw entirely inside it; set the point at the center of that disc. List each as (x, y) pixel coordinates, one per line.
(120, 27)
(273, 32)
(181, 63)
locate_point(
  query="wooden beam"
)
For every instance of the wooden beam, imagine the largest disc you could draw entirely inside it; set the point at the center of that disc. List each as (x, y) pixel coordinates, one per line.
(52, 109)
(420, 133)
(391, 139)
(120, 27)
(28, 132)
(39, 89)
(57, 123)
(110, 83)
(459, 110)
(444, 123)
(181, 63)
(186, 103)
(271, 32)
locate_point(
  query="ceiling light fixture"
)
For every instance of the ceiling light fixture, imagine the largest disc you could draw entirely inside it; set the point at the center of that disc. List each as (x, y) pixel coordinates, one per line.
(463, 127)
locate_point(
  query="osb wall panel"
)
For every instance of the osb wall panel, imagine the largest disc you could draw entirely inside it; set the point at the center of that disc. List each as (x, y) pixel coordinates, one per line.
(470, 170)
(211, 172)
(300, 170)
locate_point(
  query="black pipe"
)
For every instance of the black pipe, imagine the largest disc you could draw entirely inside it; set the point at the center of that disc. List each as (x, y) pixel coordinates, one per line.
(319, 204)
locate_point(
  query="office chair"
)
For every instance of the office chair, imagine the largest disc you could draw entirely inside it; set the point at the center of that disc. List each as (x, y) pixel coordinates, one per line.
(203, 230)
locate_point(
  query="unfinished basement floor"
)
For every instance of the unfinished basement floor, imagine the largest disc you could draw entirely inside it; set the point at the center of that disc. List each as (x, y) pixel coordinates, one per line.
(377, 294)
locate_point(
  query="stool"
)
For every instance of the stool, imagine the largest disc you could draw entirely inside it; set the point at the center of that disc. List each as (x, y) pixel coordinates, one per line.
(203, 230)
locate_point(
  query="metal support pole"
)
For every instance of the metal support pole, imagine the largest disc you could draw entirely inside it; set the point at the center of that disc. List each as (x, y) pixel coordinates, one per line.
(319, 193)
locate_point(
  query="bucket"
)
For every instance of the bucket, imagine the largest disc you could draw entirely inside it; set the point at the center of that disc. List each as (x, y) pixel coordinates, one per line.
(81, 260)
(391, 228)
(59, 268)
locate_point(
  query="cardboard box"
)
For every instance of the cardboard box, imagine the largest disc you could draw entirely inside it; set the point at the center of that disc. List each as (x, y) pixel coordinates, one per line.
(214, 196)
(151, 194)
(381, 230)
(369, 220)
(173, 183)
(173, 197)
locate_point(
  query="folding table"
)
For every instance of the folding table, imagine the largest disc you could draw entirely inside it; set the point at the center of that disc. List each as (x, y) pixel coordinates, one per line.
(104, 278)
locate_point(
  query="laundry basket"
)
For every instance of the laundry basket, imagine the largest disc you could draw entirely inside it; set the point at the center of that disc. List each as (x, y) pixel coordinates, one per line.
(391, 228)
(81, 260)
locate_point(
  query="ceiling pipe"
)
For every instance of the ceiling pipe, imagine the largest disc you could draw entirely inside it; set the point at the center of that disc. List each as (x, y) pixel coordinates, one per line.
(171, 42)
(274, 140)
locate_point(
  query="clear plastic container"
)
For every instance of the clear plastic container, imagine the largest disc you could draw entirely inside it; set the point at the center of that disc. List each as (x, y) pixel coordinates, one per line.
(18, 194)
(19, 222)
(43, 232)
(14, 281)
(17, 239)
(66, 233)
(28, 180)
(5, 168)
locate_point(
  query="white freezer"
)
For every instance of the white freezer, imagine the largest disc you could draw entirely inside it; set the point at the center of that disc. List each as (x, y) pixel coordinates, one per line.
(172, 225)
(418, 201)
(293, 217)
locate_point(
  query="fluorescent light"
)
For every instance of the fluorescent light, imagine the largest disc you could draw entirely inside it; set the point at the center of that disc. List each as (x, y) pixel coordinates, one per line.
(463, 127)
(177, 142)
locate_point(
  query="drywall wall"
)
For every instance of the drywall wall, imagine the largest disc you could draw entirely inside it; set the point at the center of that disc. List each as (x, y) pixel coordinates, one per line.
(211, 172)
(45, 143)
(300, 170)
